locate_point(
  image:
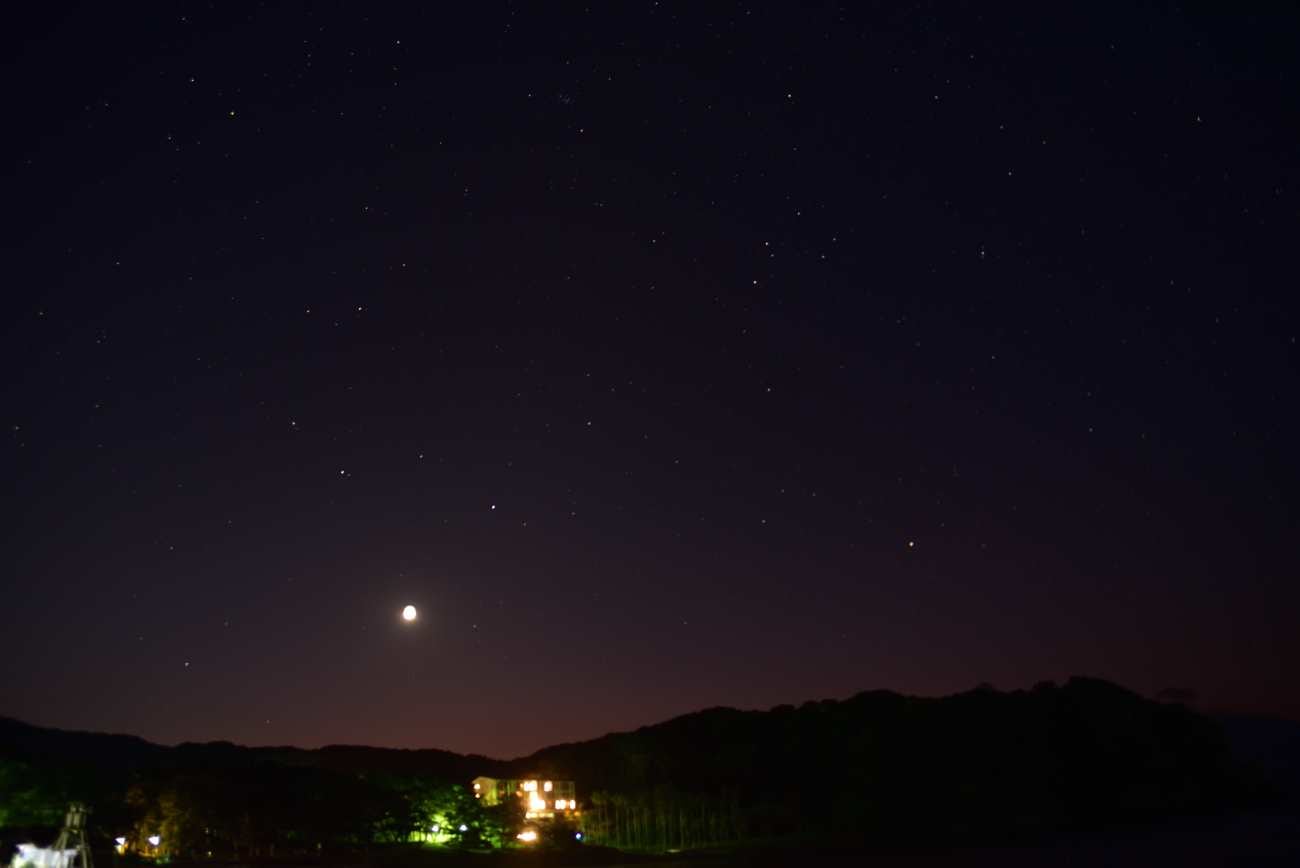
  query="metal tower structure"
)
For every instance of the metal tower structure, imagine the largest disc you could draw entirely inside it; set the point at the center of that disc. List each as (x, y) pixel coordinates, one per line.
(73, 836)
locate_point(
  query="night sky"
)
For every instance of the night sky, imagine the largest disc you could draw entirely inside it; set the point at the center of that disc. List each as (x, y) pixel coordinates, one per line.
(664, 355)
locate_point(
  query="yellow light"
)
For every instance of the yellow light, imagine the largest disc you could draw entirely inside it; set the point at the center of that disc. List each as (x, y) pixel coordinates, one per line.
(547, 786)
(530, 786)
(410, 614)
(561, 804)
(528, 836)
(536, 803)
(478, 786)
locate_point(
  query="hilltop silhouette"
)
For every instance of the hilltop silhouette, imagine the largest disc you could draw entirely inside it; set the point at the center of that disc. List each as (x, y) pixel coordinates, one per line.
(978, 766)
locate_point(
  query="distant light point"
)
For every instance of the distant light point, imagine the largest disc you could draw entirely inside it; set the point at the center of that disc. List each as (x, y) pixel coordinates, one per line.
(410, 614)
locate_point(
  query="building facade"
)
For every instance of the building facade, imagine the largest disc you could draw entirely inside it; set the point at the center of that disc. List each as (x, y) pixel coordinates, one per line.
(541, 799)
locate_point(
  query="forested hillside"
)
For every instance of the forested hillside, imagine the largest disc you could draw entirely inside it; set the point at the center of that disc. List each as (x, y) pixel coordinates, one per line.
(976, 765)
(983, 765)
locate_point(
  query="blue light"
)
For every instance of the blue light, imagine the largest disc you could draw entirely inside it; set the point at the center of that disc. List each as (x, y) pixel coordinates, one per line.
(578, 835)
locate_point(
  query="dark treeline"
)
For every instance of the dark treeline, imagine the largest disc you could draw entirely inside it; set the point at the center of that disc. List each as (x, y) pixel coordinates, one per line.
(664, 819)
(222, 801)
(982, 765)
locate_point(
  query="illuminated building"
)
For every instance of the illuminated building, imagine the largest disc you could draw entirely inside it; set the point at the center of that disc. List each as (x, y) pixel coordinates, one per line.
(541, 798)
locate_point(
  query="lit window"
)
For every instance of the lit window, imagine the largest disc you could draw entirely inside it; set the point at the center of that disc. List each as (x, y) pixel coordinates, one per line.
(561, 804)
(530, 786)
(547, 786)
(536, 803)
